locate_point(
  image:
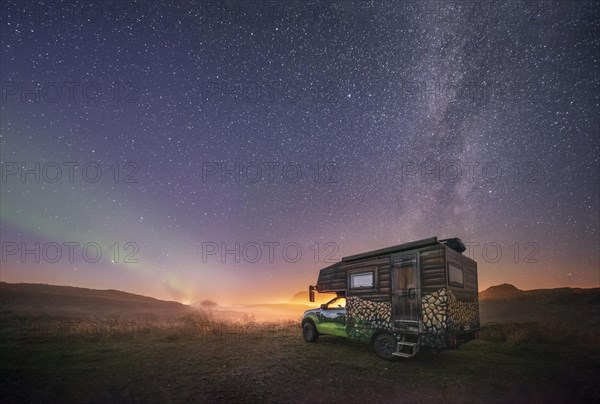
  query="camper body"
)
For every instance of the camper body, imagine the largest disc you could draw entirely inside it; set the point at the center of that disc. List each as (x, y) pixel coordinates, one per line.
(401, 298)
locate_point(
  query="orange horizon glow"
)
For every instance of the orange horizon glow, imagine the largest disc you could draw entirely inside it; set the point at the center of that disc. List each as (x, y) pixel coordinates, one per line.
(239, 284)
(267, 294)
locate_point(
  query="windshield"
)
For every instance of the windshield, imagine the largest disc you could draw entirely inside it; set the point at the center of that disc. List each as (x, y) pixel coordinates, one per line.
(336, 303)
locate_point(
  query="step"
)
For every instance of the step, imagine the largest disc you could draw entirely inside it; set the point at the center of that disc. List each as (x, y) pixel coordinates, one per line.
(408, 343)
(414, 349)
(403, 355)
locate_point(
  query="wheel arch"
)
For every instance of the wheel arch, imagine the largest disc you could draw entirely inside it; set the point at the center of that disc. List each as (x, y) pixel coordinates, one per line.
(380, 331)
(310, 320)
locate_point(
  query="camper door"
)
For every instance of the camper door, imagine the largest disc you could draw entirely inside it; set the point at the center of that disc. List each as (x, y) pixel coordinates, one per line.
(405, 291)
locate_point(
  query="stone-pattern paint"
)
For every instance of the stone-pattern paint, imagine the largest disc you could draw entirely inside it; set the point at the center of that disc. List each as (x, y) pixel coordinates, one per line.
(443, 317)
(364, 317)
(462, 315)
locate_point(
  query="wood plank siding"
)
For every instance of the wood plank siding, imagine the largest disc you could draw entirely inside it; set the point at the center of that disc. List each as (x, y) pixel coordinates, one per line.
(433, 266)
(469, 291)
(432, 262)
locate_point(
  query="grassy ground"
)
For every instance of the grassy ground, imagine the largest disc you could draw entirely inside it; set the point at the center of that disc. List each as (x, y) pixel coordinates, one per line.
(281, 367)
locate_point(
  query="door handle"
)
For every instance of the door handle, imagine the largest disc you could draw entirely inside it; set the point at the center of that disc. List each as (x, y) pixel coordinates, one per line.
(412, 293)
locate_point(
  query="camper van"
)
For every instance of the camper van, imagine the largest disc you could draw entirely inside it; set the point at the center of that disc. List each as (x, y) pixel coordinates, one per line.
(421, 294)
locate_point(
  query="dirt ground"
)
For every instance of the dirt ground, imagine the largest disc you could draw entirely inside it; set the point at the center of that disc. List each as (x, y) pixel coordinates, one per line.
(284, 368)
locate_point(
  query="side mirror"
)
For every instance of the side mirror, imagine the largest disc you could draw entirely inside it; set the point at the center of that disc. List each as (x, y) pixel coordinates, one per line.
(311, 293)
(323, 306)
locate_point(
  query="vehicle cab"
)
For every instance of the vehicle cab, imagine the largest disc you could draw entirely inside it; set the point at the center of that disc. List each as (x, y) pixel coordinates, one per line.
(329, 319)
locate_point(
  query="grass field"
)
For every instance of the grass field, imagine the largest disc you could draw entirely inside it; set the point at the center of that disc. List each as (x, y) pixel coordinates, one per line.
(62, 344)
(188, 360)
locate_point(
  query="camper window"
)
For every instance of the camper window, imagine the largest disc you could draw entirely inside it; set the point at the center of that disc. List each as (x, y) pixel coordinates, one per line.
(455, 275)
(362, 280)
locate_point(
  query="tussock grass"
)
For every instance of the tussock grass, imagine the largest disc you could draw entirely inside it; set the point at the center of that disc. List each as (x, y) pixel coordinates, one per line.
(557, 333)
(201, 324)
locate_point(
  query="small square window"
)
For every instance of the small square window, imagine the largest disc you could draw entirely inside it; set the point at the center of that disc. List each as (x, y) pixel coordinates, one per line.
(455, 275)
(363, 280)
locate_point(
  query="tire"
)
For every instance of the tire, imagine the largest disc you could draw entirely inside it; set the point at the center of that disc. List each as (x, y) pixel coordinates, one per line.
(309, 332)
(385, 345)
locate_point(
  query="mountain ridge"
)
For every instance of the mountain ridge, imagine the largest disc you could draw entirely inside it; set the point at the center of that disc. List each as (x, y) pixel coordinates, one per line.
(43, 298)
(499, 303)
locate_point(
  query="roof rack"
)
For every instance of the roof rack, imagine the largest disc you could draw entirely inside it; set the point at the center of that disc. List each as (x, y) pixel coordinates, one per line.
(455, 243)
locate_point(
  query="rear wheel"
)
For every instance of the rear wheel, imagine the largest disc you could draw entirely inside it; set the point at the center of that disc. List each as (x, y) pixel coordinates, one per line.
(309, 332)
(385, 346)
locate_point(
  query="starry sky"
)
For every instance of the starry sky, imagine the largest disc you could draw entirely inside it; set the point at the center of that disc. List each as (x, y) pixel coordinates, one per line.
(229, 150)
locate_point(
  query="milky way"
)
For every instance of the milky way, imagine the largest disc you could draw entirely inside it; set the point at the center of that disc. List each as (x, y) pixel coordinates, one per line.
(229, 149)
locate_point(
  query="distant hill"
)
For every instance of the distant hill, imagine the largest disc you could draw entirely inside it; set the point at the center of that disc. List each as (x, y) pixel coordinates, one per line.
(570, 306)
(504, 291)
(302, 298)
(502, 303)
(65, 300)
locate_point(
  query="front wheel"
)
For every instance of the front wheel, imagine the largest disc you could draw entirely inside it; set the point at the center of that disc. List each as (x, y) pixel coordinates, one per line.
(309, 332)
(385, 346)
